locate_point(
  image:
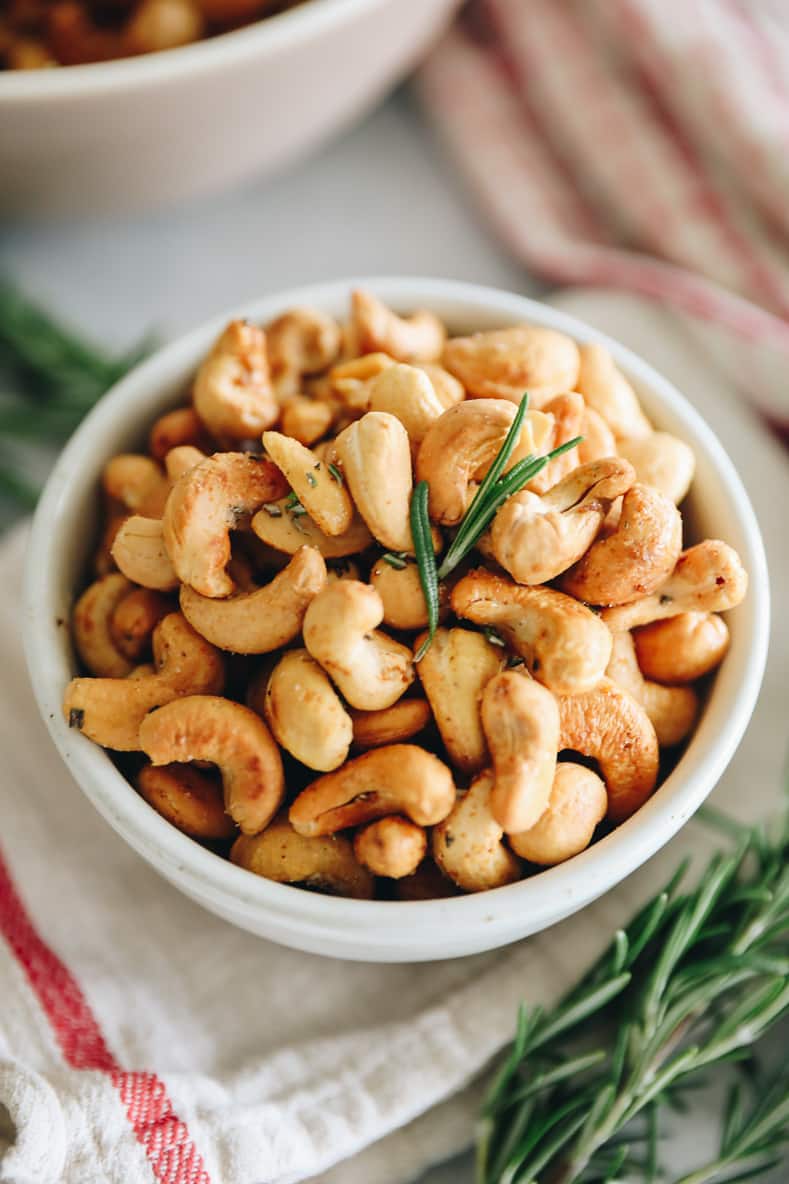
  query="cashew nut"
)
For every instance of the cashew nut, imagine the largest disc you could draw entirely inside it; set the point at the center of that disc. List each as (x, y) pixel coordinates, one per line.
(577, 804)
(672, 710)
(305, 712)
(371, 670)
(174, 428)
(349, 382)
(426, 883)
(395, 779)
(232, 391)
(140, 553)
(181, 459)
(608, 392)
(636, 559)
(459, 448)
(390, 725)
(204, 505)
(663, 461)
(454, 672)
(322, 864)
(707, 578)
(137, 482)
(133, 621)
(520, 720)
(375, 456)
(235, 739)
(391, 846)
(468, 846)
(91, 627)
(568, 413)
(504, 363)
(286, 527)
(302, 341)
(407, 393)
(445, 386)
(188, 798)
(305, 419)
(263, 619)
(401, 592)
(682, 649)
(324, 498)
(610, 726)
(598, 440)
(536, 538)
(418, 338)
(109, 711)
(564, 644)
(114, 518)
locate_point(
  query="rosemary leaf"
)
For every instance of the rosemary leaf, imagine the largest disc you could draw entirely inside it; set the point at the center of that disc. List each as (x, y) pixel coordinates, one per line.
(426, 561)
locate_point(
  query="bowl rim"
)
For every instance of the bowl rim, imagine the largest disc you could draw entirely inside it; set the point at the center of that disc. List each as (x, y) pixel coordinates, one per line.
(261, 39)
(412, 923)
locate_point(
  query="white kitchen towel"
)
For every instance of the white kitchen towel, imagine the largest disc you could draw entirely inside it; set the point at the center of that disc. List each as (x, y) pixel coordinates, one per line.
(144, 1040)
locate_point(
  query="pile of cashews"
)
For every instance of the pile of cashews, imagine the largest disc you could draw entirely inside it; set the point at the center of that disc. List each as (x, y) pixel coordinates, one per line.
(250, 633)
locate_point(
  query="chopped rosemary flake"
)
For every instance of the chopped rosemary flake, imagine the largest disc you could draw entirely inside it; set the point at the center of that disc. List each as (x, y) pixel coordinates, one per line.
(311, 479)
(292, 500)
(272, 509)
(297, 510)
(336, 474)
(76, 718)
(395, 559)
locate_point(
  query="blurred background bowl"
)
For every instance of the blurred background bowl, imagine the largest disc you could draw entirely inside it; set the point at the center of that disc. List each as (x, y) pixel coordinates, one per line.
(122, 136)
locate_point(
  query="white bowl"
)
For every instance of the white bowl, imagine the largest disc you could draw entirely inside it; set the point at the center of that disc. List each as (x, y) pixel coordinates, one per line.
(120, 136)
(63, 535)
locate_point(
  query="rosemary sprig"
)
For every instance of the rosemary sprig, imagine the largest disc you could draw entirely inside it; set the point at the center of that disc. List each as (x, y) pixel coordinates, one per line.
(694, 981)
(426, 559)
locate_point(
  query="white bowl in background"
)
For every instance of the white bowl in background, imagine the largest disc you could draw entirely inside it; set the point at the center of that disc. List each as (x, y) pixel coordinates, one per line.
(387, 931)
(120, 136)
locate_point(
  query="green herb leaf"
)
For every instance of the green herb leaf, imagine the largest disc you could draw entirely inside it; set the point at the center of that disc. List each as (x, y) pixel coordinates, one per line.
(426, 561)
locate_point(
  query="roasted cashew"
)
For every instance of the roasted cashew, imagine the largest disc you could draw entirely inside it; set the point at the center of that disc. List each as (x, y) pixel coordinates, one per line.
(137, 482)
(103, 563)
(461, 445)
(634, 560)
(204, 505)
(109, 711)
(426, 883)
(232, 390)
(176, 428)
(306, 714)
(536, 538)
(133, 621)
(608, 392)
(407, 393)
(469, 847)
(371, 670)
(598, 440)
(672, 710)
(139, 551)
(707, 578)
(390, 725)
(520, 720)
(322, 864)
(564, 644)
(155, 25)
(91, 627)
(505, 363)
(446, 387)
(568, 413)
(391, 846)
(396, 779)
(286, 527)
(263, 619)
(400, 589)
(300, 342)
(181, 459)
(418, 338)
(454, 672)
(235, 739)
(349, 382)
(662, 461)
(577, 804)
(323, 496)
(305, 419)
(188, 798)
(610, 726)
(375, 457)
(682, 649)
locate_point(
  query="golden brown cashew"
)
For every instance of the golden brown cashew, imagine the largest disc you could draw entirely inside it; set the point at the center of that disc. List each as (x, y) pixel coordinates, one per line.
(103, 563)
(672, 710)
(375, 457)
(608, 392)
(306, 714)
(396, 779)
(305, 419)
(598, 440)
(634, 560)
(461, 445)
(520, 719)
(204, 505)
(109, 711)
(578, 803)
(263, 619)
(137, 482)
(349, 382)
(454, 672)
(708, 578)
(235, 739)
(401, 592)
(445, 386)
(155, 25)
(286, 527)
(392, 847)
(139, 551)
(469, 847)
(426, 883)
(176, 428)
(391, 725)
(663, 461)
(188, 798)
(563, 643)
(232, 391)
(133, 621)
(407, 393)
(418, 338)
(504, 363)
(322, 864)
(91, 630)
(323, 496)
(610, 726)
(568, 413)
(536, 538)
(181, 459)
(300, 342)
(340, 632)
(682, 649)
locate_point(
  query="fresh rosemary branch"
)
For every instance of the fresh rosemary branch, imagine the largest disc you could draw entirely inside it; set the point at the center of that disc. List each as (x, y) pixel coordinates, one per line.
(696, 979)
(426, 559)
